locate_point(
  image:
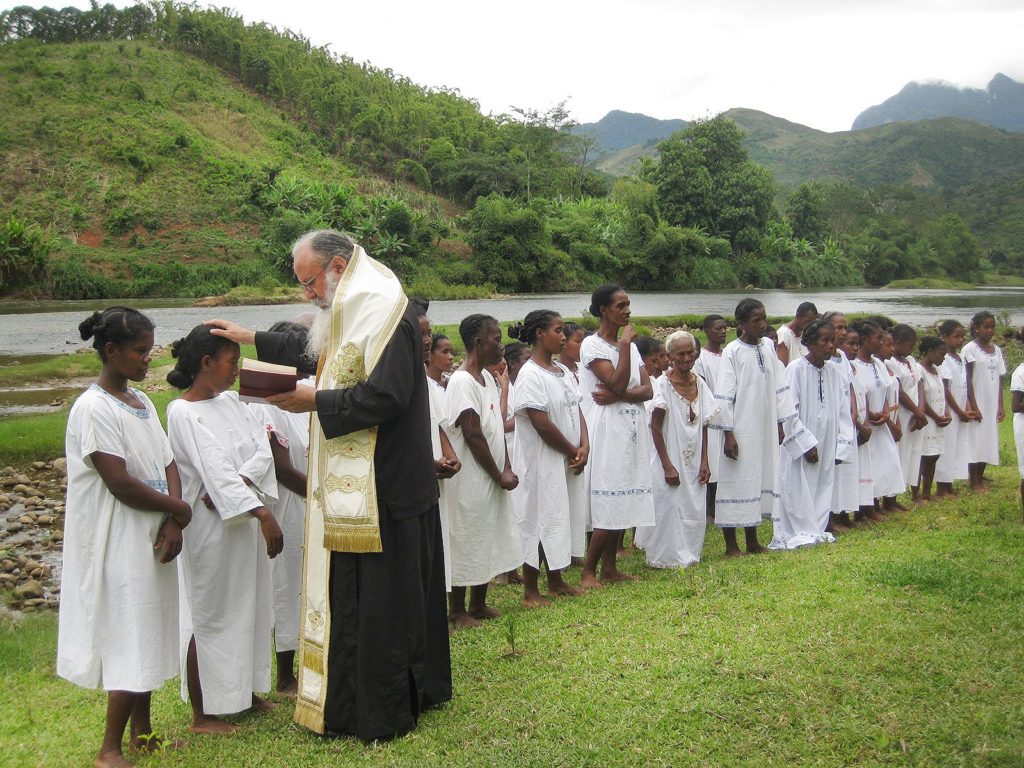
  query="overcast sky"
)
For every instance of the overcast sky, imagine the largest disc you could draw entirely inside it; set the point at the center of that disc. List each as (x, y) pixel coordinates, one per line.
(815, 62)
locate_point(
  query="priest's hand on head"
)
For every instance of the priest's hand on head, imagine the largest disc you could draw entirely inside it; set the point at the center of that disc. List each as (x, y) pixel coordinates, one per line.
(229, 330)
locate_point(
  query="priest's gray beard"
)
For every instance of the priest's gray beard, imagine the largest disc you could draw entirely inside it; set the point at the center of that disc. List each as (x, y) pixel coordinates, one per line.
(320, 330)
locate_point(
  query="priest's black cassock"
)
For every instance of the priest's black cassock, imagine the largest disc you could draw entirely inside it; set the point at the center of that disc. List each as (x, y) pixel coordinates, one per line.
(388, 652)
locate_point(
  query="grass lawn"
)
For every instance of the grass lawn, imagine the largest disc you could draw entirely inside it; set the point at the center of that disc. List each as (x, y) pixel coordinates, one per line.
(901, 644)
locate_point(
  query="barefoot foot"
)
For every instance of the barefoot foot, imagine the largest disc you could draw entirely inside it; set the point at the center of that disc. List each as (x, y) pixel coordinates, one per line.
(288, 688)
(111, 760)
(617, 576)
(535, 601)
(564, 590)
(484, 613)
(261, 705)
(463, 621)
(210, 724)
(589, 581)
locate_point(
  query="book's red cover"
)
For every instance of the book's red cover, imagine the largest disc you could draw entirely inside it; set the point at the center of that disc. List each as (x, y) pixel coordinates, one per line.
(256, 386)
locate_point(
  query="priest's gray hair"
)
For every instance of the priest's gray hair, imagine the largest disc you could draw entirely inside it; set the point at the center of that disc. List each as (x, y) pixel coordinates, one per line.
(326, 244)
(678, 336)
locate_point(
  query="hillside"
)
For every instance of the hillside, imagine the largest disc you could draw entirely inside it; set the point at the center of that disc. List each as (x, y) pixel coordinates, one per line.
(155, 171)
(618, 130)
(1000, 105)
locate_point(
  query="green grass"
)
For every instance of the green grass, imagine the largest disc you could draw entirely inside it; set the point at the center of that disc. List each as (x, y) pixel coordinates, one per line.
(899, 645)
(928, 282)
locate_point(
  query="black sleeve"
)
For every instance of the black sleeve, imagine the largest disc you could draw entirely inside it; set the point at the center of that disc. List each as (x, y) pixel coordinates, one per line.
(382, 397)
(284, 349)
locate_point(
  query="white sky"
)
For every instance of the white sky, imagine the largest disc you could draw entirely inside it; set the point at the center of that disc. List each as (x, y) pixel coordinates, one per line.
(815, 62)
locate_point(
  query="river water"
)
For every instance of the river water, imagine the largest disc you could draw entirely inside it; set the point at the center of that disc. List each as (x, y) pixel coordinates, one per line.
(48, 328)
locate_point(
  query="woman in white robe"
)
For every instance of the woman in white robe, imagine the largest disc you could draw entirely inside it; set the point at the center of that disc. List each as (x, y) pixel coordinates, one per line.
(807, 467)
(446, 462)
(614, 386)
(123, 524)
(952, 464)
(228, 478)
(551, 451)
(755, 402)
(845, 487)
(679, 463)
(709, 367)
(985, 372)
(483, 533)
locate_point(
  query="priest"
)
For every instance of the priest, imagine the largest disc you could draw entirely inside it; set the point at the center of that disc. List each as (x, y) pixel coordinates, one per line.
(373, 648)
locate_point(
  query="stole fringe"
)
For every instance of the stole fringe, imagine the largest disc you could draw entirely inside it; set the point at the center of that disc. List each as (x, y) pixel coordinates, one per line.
(363, 541)
(313, 658)
(309, 715)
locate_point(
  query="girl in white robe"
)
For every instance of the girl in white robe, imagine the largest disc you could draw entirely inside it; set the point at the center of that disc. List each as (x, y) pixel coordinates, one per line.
(551, 451)
(228, 478)
(484, 537)
(446, 462)
(859, 396)
(289, 443)
(906, 370)
(755, 402)
(807, 466)
(1017, 406)
(679, 463)
(952, 464)
(887, 476)
(933, 351)
(123, 525)
(614, 386)
(709, 367)
(985, 372)
(845, 490)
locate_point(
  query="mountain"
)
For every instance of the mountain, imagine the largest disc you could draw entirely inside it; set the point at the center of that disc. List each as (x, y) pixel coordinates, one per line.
(1000, 104)
(618, 130)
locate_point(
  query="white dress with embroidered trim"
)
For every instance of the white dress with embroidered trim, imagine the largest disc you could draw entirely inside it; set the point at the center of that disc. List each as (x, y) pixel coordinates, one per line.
(908, 373)
(754, 398)
(933, 441)
(708, 367)
(224, 574)
(792, 342)
(885, 455)
(439, 422)
(483, 533)
(865, 478)
(118, 625)
(676, 539)
(550, 500)
(952, 464)
(618, 474)
(982, 437)
(290, 512)
(846, 488)
(819, 396)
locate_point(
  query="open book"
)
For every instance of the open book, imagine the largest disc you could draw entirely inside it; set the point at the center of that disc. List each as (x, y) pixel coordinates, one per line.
(258, 380)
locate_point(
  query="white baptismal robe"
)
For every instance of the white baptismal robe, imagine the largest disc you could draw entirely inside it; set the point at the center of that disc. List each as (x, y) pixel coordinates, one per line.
(952, 463)
(982, 437)
(619, 470)
(819, 395)
(224, 584)
(550, 497)
(754, 398)
(845, 488)
(438, 422)
(865, 477)
(791, 341)
(887, 474)
(290, 512)
(677, 537)
(708, 367)
(483, 533)
(908, 373)
(119, 605)
(933, 442)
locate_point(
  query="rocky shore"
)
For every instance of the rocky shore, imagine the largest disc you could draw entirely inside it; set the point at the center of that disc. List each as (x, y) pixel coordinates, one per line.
(32, 534)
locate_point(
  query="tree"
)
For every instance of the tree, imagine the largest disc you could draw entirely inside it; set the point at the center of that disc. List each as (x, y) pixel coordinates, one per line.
(805, 212)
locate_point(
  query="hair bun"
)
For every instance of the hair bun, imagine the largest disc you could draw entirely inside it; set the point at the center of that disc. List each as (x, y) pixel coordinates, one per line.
(516, 331)
(176, 347)
(87, 327)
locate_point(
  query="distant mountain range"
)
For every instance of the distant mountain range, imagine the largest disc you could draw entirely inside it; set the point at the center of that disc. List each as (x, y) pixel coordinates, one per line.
(1000, 104)
(618, 130)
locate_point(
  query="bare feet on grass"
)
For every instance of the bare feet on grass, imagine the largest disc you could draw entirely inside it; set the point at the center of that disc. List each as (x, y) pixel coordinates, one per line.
(755, 549)
(212, 725)
(534, 600)
(734, 552)
(616, 576)
(261, 705)
(589, 581)
(484, 613)
(111, 760)
(564, 590)
(288, 689)
(463, 620)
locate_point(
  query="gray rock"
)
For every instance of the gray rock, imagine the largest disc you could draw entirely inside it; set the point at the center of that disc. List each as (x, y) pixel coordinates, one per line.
(14, 527)
(30, 590)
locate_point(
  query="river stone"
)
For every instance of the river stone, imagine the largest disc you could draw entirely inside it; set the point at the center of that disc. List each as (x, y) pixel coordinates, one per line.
(38, 465)
(24, 520)
(14, 527)
(8, 565)
(22, 489)
(44, 520)
(61, 465)
(33, 501)
(30, 590)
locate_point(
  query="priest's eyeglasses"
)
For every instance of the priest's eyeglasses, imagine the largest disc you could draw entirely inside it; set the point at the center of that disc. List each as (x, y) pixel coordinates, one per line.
(307, 284)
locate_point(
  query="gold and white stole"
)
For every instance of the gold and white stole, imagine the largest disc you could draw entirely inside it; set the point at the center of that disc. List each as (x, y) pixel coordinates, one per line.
(341, 493)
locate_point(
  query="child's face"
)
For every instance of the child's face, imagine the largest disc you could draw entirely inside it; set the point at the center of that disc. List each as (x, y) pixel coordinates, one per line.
(884, 351)
(717, 333)
(662, 360)
(985, 330)
(552, 340)
(132, 358)
(935, 355)
(656, 362)
(221, 370)
(755, 324)
(955, 340)
(441, 356)
(517, 363)
(572, 346)
(871, 343)
(425, 330)
(851, 344)
(904, 347)
(823, 347)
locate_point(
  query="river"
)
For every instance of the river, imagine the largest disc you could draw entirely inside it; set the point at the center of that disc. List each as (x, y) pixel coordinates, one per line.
(49, 328)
